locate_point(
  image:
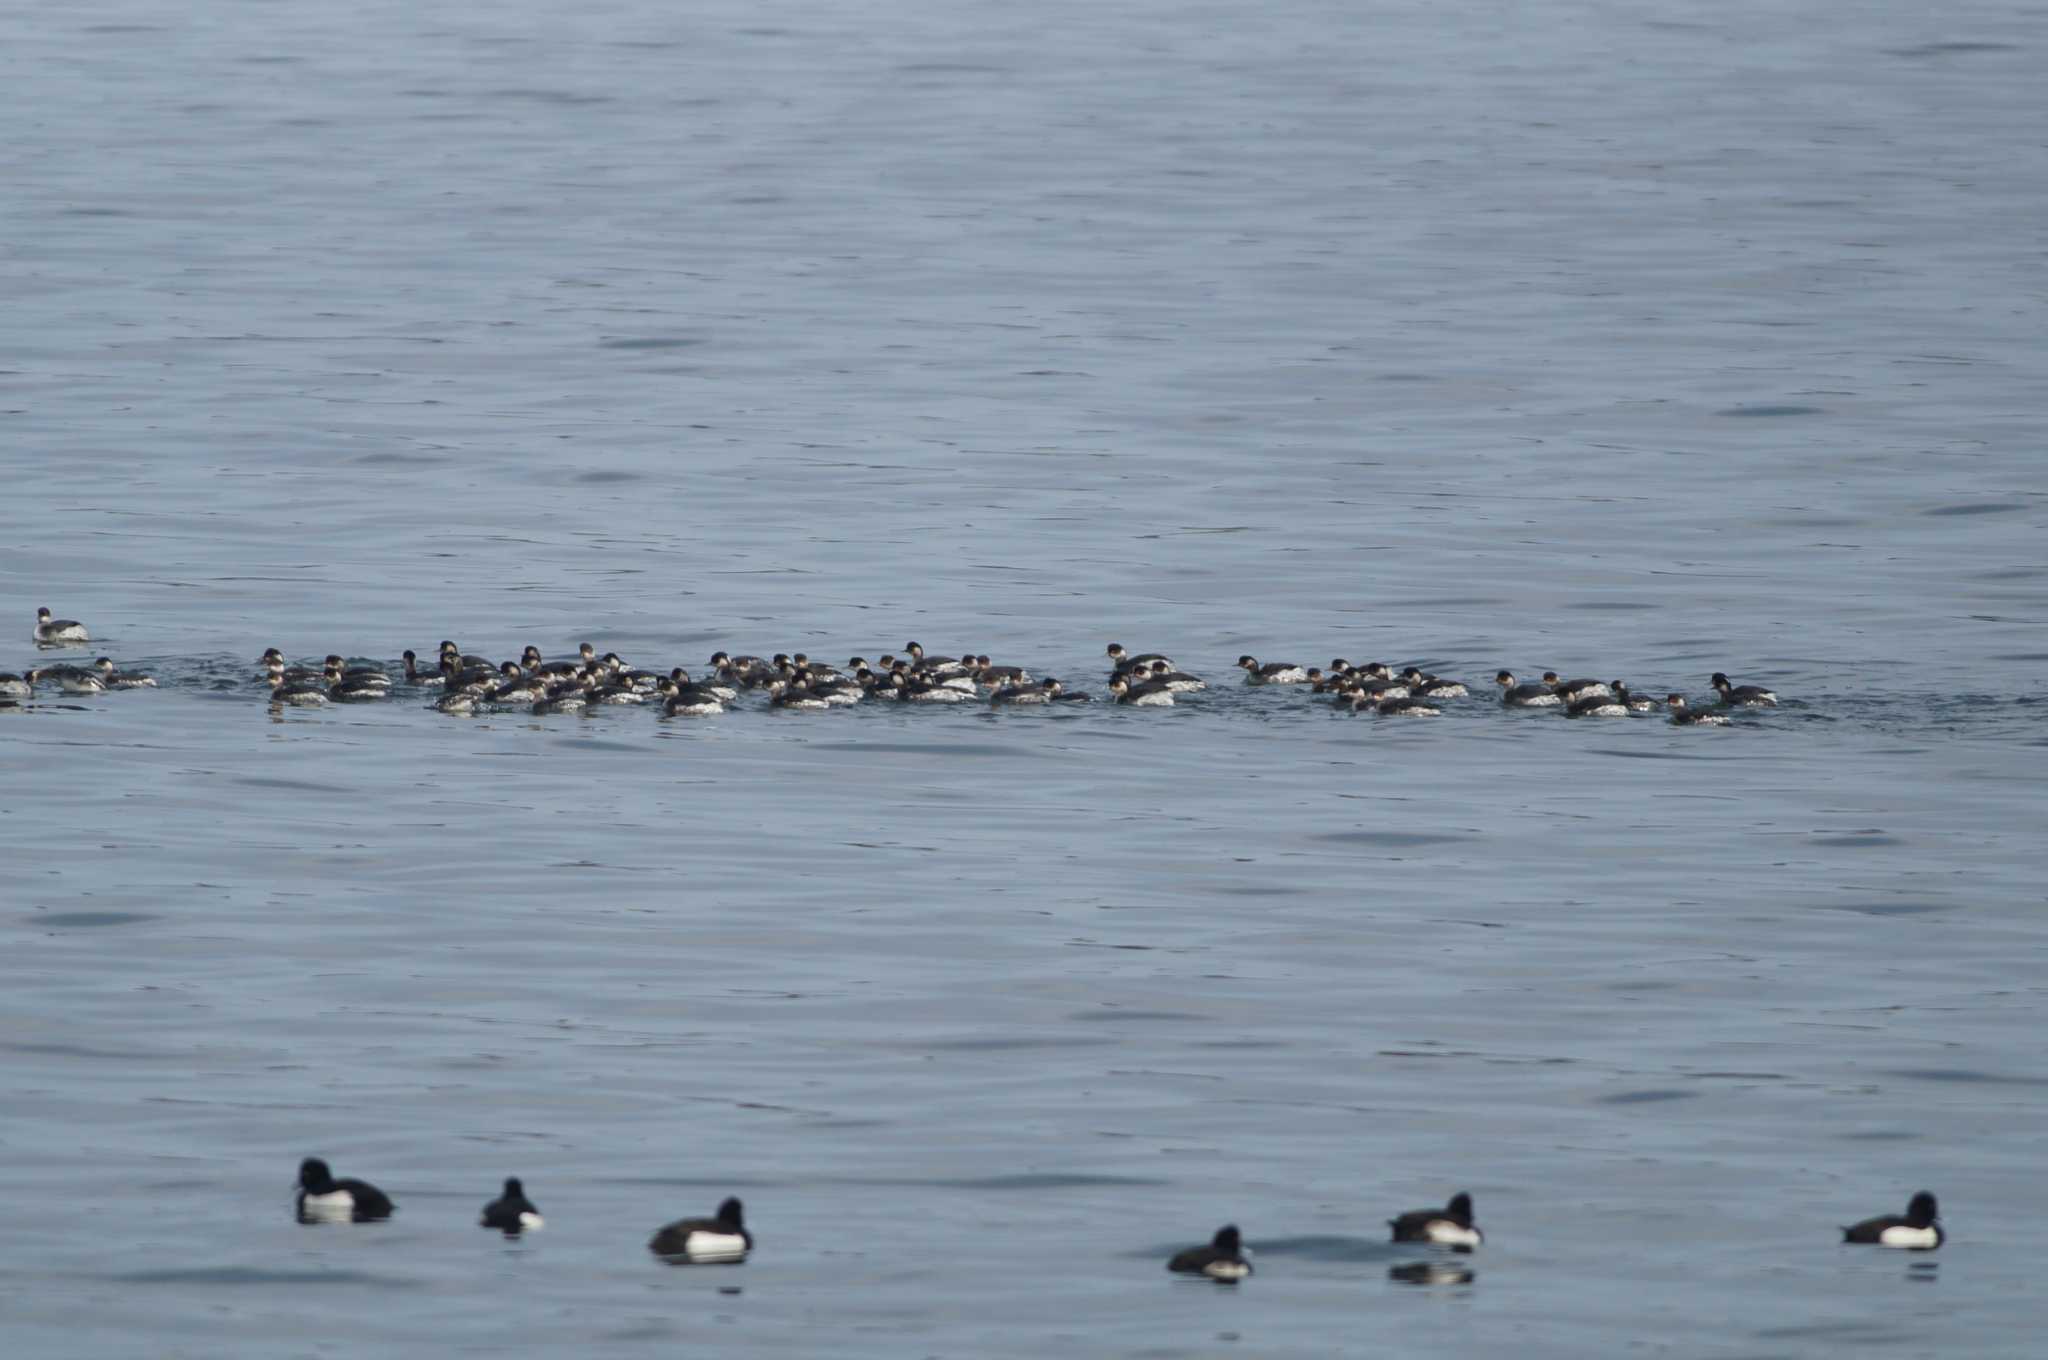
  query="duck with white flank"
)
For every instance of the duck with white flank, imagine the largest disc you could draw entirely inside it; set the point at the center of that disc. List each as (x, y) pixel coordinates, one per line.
(1450, 1226)
(323, 1199)
(722, 1239)
(1918, 1229)
(512, 1213)
(1223, 1260)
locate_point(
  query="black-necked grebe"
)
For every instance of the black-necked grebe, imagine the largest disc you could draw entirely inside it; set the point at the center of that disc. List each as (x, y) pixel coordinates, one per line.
(1403, 706)
(115, 679)
(415, 676)
(1685, 716)
(1743, 696)
(1601, 705)
(1124, 661)
(1272, 673)
(1044, 692)
(1571, 691)
(1426, 686)
(1525, 696)
(55, 632)
(1142, 695)
(1634, 702)
(70, 679)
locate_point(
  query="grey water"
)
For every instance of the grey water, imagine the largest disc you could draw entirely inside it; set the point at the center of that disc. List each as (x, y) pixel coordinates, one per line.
(1635, 340)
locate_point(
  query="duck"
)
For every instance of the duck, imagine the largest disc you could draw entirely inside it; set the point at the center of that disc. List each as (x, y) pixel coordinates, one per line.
(1525, 696)
(55, 632)
(722, 1239)
(512, 1213)
(1142, 695)
(1223, 1260)
(1743, 696)
(1402, 706)
(1450, 1226)
(1918, 1229)
(324, 1199)
(1685, 716)
(1271, 673)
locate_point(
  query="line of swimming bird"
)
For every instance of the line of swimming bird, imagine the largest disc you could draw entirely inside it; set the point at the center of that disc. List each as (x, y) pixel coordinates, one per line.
(724, 1239)
(471, 684)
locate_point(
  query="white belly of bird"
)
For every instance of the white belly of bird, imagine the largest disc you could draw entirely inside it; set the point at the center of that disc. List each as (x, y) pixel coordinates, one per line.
(336, 1206)
(1226, 1270)
(1445, 1233)
(1908, 1237)
(709, 1246)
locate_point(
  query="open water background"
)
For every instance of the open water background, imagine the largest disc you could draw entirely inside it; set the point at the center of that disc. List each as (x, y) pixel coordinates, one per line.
(1627, 339)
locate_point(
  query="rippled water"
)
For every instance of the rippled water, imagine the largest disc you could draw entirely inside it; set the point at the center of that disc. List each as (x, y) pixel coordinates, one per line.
(1626, 340)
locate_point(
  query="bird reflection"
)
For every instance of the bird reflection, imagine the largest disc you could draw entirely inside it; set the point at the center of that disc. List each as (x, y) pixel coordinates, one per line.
(1431, 1272)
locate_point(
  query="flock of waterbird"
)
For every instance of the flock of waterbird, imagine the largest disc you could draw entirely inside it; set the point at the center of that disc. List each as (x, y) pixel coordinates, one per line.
(466, 684)
(724, 1239)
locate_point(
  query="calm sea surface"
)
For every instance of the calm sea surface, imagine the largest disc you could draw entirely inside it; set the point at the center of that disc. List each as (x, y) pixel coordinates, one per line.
(1636, 340)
